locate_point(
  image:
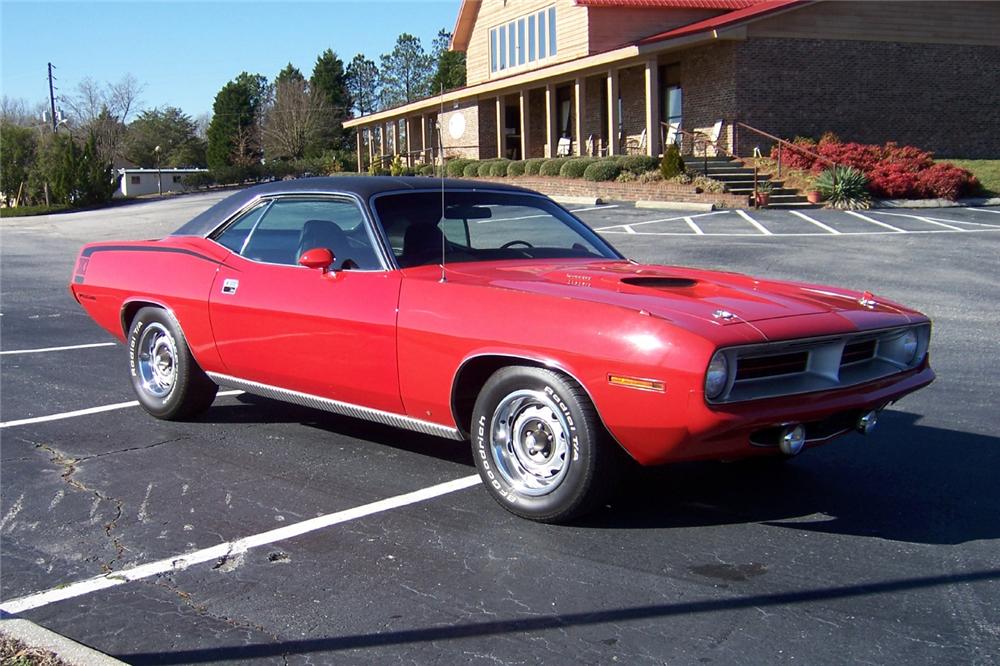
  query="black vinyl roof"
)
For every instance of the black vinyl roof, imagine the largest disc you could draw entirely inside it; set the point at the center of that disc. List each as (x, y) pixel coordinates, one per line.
(363, 187)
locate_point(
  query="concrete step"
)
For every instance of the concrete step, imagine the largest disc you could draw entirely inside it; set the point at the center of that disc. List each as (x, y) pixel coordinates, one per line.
(793, 205)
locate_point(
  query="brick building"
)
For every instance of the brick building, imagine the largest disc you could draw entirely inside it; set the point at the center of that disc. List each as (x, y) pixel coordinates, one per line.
(612, 76)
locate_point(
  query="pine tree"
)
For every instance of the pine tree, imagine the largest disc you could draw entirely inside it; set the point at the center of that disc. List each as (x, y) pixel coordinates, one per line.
(328, 82)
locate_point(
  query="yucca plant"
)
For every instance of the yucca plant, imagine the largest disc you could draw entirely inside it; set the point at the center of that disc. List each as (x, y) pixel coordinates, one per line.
(848, 191)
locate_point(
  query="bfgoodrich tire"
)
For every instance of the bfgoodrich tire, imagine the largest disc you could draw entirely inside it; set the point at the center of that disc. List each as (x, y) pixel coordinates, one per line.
(166, 378)
(539, 446)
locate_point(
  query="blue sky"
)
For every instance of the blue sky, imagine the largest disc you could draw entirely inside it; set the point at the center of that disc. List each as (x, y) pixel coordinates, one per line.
(184, 52)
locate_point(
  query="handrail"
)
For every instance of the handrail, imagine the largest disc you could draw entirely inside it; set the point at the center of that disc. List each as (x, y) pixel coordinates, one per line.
(793, 146)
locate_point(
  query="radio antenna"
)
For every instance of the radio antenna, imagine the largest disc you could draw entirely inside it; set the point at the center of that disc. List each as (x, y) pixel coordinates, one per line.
(440, 139)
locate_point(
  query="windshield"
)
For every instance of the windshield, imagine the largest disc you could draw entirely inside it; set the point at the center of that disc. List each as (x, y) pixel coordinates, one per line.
(483, 226)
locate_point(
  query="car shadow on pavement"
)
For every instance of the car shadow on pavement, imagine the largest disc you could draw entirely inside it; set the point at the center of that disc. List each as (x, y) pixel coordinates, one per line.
(256, 409)
(905, 482)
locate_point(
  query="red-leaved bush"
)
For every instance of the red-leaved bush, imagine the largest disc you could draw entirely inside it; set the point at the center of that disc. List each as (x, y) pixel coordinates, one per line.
(892, 180)
(893, 171)
(946, 181)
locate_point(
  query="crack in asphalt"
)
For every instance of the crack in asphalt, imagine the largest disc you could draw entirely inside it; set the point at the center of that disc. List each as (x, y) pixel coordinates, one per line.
(69, 466)
(201, 609)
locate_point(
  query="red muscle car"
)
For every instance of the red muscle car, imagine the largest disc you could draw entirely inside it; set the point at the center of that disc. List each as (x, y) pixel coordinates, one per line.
(489, 313)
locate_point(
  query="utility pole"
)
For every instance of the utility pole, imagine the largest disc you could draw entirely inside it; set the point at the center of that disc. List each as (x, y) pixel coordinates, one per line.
(52, 101)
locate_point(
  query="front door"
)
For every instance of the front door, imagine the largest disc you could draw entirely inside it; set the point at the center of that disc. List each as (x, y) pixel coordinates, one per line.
(329, 333)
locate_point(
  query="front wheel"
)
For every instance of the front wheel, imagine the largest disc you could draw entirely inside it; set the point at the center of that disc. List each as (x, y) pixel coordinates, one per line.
(540, 447)
(167, 380)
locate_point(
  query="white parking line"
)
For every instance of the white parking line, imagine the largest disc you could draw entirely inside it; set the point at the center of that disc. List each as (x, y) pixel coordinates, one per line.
(85, 412)
(760, 227)
(694, 227)
(231, 548)
(55, 349)
(662, 219)
(921, 218)
(985, 210)
(874, 221)
(816, 222)
(581, 210)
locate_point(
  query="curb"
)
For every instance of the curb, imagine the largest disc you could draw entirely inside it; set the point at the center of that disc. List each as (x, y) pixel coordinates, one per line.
(67, 650)
(675, 205)
(936, 203)
(584, 201)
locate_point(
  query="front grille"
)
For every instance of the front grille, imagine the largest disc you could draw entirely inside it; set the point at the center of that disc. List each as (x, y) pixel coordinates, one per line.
(855, 352)
(792, 367)
(756, 367)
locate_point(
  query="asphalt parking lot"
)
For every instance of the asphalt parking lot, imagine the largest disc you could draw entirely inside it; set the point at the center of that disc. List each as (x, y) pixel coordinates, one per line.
(883, 549)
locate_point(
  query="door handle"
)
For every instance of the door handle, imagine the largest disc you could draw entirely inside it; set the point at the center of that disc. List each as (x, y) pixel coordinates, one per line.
(229, 286)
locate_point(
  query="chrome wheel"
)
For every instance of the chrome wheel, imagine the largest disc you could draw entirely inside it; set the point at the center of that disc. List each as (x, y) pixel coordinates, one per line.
(156, 360)
(530, 442)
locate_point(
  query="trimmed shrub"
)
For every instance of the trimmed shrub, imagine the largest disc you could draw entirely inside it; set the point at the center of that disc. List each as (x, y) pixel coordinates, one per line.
(893, 180)
(484, 169)
(638, 164)
(946, 181)
(499, 169)
(471, 169)
(672, 163)
(704, 184)
(602, 170)
(850, 190)
(574, 168)
(455, 167)
(552, 167)
(426, 170)
(531, 166)
(515, 169)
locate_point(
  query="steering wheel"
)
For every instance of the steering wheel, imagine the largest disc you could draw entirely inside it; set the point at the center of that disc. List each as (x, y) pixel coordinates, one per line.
(512, 243)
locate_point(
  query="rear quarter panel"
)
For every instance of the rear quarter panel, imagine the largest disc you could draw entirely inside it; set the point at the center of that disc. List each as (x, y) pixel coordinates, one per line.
(176, 273)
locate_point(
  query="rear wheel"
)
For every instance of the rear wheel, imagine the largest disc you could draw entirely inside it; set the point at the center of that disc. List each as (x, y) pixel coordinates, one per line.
(166, 378)
(539, 445)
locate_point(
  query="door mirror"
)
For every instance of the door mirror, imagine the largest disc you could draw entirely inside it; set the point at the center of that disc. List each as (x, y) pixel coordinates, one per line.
(317, 257)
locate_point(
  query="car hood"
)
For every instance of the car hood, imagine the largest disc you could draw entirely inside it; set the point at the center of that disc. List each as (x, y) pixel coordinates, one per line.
(678, 294)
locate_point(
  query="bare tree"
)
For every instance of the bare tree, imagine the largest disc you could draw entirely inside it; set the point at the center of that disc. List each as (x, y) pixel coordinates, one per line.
(294, 121)
(17, 111)
(104, 111)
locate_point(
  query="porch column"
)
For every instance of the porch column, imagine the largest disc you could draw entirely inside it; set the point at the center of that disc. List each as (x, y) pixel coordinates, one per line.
(371, 144)
(652, 107)
(551, 133)
(500, 124)
(409, 141)
(613, 145)
(523, 107)
(395, 138)
(423, 139)
(358, 141)
(578, 92)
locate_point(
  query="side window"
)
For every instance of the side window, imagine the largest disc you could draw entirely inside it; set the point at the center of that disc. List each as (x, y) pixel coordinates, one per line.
(235, 235)
(293, 225)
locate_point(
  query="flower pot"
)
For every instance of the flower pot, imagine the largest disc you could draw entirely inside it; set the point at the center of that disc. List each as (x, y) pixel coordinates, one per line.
(813, 197)
(763, 198)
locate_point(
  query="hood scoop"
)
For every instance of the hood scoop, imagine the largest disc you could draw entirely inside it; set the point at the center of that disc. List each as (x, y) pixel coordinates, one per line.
(660, 282)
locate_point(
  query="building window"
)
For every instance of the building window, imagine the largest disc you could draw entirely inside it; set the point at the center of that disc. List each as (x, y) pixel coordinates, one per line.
(177, 179)
(552, 31)
(520, 42)
(503, 47)
(523, 41)
(531, 38)
(135, 180)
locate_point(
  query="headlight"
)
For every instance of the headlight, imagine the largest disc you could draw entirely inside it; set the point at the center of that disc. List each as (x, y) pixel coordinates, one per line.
(909, 344)
(717, 376)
